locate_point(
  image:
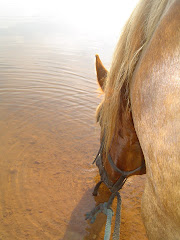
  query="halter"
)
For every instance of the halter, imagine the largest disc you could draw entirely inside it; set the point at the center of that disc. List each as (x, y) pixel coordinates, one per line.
(104, 176)
(114, 188)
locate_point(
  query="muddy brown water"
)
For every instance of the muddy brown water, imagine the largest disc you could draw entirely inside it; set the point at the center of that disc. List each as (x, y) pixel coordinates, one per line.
(48, 138)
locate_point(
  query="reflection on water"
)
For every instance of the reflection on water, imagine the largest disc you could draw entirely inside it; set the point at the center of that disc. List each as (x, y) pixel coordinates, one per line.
(48, 136)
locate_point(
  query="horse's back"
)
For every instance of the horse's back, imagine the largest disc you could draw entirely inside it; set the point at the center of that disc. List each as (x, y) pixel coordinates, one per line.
(155, 101)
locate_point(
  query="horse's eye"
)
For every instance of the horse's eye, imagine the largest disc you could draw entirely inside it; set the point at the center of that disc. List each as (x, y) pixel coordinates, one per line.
(98, 114)
(98, 117)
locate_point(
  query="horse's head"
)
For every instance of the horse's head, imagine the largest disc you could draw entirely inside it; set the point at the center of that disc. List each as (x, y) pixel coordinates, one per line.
(125, 156)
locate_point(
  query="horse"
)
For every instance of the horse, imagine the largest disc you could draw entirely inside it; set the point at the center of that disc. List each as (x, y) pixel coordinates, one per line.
(139, 115)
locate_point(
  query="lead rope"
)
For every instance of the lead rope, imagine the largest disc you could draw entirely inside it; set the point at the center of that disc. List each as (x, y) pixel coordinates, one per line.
(108, 224)
(116, 234)
(106, 209)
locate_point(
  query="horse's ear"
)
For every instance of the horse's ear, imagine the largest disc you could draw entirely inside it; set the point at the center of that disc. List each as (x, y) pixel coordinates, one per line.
(101, 72)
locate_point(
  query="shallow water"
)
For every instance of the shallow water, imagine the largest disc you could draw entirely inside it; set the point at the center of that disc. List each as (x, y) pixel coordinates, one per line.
(48, 136)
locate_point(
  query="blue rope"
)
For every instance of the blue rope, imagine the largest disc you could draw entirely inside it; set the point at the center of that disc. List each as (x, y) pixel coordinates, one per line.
(108, 224)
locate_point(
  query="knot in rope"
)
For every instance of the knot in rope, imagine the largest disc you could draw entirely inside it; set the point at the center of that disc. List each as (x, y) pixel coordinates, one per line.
(107, 210)
(102, 207)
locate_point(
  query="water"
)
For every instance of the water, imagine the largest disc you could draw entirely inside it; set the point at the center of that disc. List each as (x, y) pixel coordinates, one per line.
(48, 135)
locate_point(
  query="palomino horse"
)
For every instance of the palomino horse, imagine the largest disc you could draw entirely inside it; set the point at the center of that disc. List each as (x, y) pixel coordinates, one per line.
(140, 113)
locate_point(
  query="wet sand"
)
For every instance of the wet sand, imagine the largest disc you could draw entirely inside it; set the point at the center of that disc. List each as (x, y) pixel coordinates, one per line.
(47, 182)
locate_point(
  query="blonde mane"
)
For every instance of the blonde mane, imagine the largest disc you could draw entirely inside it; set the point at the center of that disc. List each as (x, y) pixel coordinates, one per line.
(135, 36)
